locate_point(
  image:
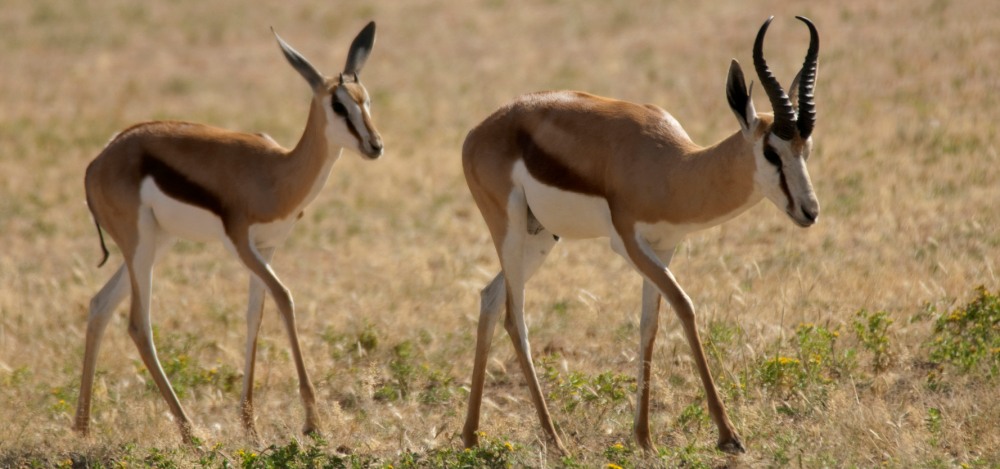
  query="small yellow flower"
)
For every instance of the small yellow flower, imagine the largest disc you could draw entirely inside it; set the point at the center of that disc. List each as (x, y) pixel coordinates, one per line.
(509, 446)
(612, 466)
(787, 361)
(618, 446)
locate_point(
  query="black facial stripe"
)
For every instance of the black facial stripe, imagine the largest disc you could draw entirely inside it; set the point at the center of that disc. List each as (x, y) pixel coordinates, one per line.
(338, 108)
(179, 186)
(772, 156)
(784, 188)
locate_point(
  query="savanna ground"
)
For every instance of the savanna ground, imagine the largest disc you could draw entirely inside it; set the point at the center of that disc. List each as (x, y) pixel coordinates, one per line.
(860, 342)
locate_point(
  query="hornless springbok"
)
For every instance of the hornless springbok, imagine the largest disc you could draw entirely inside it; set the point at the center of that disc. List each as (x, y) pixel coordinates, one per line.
(157, 181)
(573, 165)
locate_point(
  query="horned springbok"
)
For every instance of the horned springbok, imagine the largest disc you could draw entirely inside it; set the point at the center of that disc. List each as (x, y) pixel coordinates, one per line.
(158, 181)
(572, 165)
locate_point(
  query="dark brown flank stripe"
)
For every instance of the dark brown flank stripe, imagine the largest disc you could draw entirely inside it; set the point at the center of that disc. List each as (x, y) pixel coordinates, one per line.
(545, 167)
(178, 186)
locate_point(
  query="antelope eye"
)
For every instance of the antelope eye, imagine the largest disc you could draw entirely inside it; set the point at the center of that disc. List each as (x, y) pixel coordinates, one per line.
(339, 109)
(772, 156)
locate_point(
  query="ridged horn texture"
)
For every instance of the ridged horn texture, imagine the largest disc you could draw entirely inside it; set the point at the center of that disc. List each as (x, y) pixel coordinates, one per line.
(807, 83)
(784, 114)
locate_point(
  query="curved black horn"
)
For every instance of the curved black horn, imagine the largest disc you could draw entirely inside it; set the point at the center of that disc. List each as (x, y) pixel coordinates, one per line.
(807, 83)
(784, 114)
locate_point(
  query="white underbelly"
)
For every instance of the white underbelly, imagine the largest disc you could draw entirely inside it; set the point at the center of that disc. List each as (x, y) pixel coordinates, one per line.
(566, 214)
(181, 219)
(194, 223)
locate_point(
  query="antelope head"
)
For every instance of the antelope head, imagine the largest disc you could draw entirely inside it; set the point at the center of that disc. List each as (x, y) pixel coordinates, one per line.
(344, 99)
(781, 145)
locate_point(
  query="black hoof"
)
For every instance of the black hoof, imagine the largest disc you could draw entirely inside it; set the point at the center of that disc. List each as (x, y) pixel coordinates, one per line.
(732, 446)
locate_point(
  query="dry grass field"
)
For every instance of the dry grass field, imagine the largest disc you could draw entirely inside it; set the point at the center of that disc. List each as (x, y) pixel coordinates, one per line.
(825, 342)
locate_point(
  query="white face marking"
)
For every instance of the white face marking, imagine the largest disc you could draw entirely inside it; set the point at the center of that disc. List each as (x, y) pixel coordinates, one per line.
(767, 179)
(355, 114)
(563, 213)
(796, 178)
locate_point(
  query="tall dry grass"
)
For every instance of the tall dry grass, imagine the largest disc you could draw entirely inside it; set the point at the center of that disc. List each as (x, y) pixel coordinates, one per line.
(905, 166)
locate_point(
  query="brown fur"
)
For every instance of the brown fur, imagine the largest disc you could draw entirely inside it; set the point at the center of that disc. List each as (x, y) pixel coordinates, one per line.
(625, 152)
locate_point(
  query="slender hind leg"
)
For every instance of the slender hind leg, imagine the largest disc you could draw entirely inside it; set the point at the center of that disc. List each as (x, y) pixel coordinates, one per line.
(151, 239)
(535, 248)
(102, 305)
(489, 310)
(255, 311)
(521, 253)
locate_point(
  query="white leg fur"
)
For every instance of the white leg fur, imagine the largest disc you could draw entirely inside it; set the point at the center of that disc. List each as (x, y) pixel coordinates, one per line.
(255, 312)
(648, 326)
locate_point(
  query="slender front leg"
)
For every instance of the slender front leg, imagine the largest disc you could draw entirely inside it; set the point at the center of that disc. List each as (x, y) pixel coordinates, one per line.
(254, 261)
(642, 257)
(101, 307)
(489, 311)
(255, 311)
(648, 326)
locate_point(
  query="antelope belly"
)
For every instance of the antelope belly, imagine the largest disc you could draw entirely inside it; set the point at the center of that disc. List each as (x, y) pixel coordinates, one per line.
(181, 219)
(567, 214)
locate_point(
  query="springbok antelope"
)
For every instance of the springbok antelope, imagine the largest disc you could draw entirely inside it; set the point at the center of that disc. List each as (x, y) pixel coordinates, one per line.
(567, 164)
(157, 181)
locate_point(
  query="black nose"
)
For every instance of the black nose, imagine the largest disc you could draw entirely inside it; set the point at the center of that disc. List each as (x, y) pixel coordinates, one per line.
(810, 215)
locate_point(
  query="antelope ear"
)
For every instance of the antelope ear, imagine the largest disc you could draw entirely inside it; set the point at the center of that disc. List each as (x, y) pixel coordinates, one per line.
(360, 48)
(793, 92)
(739, 99)
(301, 65)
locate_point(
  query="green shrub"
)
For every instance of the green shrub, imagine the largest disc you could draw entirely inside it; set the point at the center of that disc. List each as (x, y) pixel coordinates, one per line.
(872, 330)
(603, 390)
(970, 335)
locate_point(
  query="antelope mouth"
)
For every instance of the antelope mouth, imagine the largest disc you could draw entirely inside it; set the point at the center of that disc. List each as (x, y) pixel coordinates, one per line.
(802, 218)
(372, 151)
